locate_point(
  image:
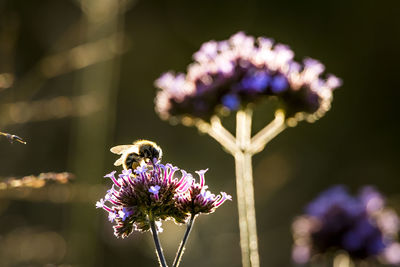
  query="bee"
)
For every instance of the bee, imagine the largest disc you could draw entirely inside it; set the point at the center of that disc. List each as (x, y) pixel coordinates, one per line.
(139, 153)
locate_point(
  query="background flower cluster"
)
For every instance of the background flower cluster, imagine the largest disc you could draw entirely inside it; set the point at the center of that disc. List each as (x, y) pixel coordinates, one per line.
(230, 74)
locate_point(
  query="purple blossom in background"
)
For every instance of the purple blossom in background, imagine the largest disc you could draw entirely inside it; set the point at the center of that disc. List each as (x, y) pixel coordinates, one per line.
(230, 101)
(232, 73)
(360, 225)
(155, 190)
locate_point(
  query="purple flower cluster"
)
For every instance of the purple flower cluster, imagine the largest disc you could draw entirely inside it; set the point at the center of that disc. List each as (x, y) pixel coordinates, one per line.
(154, 191)
(230, 74)
(361, 225)
(197, 199)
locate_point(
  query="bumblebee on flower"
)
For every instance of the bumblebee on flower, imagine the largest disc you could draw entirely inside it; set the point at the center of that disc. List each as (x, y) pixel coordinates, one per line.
(158, 193)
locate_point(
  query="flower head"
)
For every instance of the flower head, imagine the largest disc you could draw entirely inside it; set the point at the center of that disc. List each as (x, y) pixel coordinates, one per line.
(361, 225)
(155, 191)
(200, 200)
(233, 73)
(148, 191)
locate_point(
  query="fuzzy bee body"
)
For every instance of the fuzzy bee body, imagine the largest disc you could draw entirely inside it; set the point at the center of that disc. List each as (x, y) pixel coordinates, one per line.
(140, 152)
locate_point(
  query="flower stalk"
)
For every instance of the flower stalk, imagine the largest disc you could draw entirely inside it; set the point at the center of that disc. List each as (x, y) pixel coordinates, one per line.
(181, 249)
(160, 254)
(342, 260)
(242, 212)
(245, 174)
(265, 135)
(242, 148)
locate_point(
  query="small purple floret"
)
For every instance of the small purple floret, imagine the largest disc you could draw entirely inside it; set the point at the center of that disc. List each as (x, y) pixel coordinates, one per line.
(257, 82)
(279, 84)
(231, 101)
(100, 204)
(127, 172)
(141, 169)
(125, 213)
(154, 189)
(112, 216)
(111, 175)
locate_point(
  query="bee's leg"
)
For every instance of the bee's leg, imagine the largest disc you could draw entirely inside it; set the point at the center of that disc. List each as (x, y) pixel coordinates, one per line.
(134, 165)
(132, 161)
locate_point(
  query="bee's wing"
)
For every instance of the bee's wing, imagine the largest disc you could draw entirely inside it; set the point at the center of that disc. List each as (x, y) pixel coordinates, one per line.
(120, 149)
(119, 161)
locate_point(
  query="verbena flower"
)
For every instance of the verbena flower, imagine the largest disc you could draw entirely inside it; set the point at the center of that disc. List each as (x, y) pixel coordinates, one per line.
(197, 199)
(153, 191)
(360, 225)
(230, 74)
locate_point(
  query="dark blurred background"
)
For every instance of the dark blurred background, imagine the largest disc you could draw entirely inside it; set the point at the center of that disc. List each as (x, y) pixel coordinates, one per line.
(76, 78)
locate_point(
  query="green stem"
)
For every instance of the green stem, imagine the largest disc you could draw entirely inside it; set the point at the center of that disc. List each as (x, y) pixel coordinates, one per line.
(244, 178)
(242, 148)
(160, 255)
(342, 260)
(258, 142)
(181, 249)
(241, 202)
(250, 210)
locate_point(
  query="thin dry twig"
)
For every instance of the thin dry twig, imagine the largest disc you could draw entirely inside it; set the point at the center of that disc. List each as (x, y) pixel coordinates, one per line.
(13, 138)
(32, 181)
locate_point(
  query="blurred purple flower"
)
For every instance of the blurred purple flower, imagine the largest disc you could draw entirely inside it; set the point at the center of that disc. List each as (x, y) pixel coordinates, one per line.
(361, 225)
(249, 69)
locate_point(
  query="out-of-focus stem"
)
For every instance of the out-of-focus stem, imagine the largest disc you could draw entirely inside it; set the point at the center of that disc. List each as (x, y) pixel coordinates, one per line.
(219, 133)
(342, 260)
(181, 249)
(243, 139)
(250, 209)
(228, 138)
(243, 147)
(243, 128)
(160, 254)
(232, 145)
(276, 126)
(243, 226)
